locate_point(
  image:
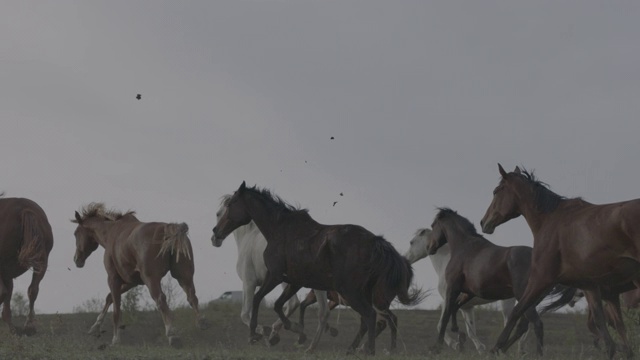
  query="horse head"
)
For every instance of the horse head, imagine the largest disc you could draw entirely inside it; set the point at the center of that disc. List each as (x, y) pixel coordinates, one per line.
(504, 205)
(418, 246)
(86, 241)
(234, 214)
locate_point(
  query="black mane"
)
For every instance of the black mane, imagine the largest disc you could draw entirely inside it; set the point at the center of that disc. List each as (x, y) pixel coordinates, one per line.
(545, 199)
(460, 221)
(275, 200)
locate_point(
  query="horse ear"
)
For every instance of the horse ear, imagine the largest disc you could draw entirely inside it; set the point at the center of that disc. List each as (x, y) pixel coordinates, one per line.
(517, 170)
(242, 186)
(78, 218)
(502, 172)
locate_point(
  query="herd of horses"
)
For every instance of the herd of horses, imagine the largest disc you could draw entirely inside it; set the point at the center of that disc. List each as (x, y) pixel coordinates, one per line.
(579, 249)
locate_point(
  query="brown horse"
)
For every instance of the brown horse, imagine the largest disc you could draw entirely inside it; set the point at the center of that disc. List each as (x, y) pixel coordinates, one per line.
(136, 253)
(575, 243)
(480, 268)
(365, 269)
(25, 243)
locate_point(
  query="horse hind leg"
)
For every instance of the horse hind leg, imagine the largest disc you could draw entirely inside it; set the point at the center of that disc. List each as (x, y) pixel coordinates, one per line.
(32, 293)
(184, 276)
(614, 315)
(469, 317)
(6, 291)
(160, 299)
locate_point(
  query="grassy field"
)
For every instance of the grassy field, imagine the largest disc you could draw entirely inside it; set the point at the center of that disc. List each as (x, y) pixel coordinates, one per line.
(64, 336)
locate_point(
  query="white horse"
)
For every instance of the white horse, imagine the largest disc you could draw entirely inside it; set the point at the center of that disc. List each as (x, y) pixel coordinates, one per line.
(417, 251)
(252, 271)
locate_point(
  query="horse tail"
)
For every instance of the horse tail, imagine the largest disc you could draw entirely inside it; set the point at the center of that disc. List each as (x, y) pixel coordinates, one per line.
(394, 274)
(564, 296)
(33, 251)
(176, 241)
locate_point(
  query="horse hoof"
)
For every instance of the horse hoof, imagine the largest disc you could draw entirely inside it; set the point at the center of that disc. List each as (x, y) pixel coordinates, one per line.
(29, 331)
(175, 342)
(462, 338)
(203, 324)
(333, 332)
(254, 338)
(274, 339)
(302, 338)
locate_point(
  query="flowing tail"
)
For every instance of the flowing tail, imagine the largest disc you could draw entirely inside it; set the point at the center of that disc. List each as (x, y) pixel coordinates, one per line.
(394, 273)
(33, 252)
(564, 296)
(176, 241)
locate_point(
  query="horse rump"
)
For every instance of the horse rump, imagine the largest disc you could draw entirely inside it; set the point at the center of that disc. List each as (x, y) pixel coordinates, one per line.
(393, 274)
(33, 252)
(176, 241)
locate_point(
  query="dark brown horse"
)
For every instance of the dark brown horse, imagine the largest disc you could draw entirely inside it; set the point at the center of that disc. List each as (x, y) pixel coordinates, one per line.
(365, 269)
(480, 268)
(575, 243)
(25, 242)
(136, 253)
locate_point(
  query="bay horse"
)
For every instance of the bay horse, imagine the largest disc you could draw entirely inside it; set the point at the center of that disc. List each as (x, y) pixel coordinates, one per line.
(26, 240)
(136, 253)
(439, 260)
(575, 243)
(252, 271)
(480, 268)
(364, 268)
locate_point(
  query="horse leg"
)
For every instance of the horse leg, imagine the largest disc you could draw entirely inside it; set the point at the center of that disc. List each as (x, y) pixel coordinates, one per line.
(594, 297)
(96, 328)
(308, 300)
(269, 284)
(287, 293)
(614, 315)
(184, 276)
(155, 290)
(469, 316)
(361, 303)
(6, 291)
(32, 293)
(115, 284)
(290, 307)
(538, 328)
(449, 340)
(453, 291)
(323, 317)
(391, 319)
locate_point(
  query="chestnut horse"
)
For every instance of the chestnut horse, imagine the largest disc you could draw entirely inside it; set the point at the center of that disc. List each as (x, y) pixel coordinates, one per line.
(136, 253)
(365, 269)
(480, 268)
(25, 243)
(575, 243)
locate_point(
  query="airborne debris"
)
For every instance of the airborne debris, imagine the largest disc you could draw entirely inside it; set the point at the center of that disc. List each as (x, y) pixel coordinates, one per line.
(332, 138)
(341, 194)
(139, 96)
(334, 203)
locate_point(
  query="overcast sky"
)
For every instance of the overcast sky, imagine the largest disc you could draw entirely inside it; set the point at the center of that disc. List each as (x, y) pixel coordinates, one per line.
(423, 99)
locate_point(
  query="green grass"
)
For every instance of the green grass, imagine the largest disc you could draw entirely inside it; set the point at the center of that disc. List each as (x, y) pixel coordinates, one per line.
(64, 336)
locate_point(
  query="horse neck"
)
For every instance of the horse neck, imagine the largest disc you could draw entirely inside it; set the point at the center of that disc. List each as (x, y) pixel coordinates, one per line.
(456, 238)
(528, 208)
(441, 258)
(244, 233)
(263, 217)
(101, 229)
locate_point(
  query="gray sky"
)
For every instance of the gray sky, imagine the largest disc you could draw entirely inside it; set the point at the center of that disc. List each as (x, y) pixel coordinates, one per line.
(423, 99)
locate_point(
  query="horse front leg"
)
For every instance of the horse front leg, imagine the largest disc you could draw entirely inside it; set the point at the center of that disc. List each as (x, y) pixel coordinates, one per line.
(287, 293)
(308, 300)
(96, 328)
(269, 284)
(6, 291)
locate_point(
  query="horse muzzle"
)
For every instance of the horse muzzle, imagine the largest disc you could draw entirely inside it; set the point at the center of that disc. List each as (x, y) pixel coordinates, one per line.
(487, 227)
(216, 239)
(79, 262)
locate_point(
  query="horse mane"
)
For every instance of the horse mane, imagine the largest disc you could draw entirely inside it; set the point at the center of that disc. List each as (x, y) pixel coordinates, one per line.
(459, 221)
(545, 199)
(98, 209)
(274, 200)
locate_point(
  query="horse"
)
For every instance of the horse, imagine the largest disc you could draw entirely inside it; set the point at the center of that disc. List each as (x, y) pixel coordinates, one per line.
(575, 243)
(252, 271)
(439, 260)
(478, 267)
(26, 240)
(364, 268)
(136, 253)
